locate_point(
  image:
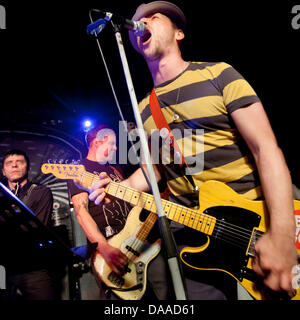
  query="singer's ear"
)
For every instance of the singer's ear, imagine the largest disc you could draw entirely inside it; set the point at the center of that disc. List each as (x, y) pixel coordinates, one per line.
(179, 35)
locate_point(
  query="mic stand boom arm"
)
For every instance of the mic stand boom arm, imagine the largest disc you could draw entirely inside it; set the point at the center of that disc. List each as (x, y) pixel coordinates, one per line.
(164, 226)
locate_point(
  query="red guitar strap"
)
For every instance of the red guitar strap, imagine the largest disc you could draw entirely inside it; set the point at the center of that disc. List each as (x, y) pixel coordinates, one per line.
(161, 123)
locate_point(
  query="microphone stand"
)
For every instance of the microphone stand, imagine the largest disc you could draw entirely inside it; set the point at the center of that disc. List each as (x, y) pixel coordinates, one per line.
(164, 225)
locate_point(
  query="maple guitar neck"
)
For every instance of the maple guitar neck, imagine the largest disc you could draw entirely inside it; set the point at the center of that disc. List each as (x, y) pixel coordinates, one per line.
(188, 217)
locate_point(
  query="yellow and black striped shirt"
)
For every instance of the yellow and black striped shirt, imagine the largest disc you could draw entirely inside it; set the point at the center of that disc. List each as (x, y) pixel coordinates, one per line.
(197, 105)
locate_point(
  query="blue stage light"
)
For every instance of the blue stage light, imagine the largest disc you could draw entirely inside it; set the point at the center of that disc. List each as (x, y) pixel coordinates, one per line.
(87, 125)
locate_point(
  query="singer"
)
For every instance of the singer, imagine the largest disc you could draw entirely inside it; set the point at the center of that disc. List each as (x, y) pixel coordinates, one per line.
(240, 148)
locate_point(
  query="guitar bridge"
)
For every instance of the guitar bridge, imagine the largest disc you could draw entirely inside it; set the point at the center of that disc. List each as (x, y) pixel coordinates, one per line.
(256, 234)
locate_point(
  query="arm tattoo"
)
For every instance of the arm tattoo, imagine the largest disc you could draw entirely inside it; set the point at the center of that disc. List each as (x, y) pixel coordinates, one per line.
(81, 202)
(85, 204)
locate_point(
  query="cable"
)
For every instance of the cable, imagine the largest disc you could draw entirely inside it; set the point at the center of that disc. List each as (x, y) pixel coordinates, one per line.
(115, 96)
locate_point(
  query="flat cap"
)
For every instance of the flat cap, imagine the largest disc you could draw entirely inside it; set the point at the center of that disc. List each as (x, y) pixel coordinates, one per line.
(164, 7)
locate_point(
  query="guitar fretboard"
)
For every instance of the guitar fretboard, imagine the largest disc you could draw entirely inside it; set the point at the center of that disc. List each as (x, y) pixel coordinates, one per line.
(147, 227)
(188, 217)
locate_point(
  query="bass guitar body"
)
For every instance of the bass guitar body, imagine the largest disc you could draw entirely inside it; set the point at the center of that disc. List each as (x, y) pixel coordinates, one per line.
(132, 285)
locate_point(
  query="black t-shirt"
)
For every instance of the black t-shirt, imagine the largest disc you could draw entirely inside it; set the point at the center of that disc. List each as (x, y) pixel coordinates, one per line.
(40, 201)
(110, 218)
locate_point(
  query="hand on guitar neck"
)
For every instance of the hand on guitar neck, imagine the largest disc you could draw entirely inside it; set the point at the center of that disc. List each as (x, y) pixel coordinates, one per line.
(96, 190)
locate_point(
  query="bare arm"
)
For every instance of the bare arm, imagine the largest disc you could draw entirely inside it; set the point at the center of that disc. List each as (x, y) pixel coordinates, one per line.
(114, 257)
(276, 251)
(137, 179)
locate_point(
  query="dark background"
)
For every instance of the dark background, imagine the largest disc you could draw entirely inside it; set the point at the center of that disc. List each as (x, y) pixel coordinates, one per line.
(52, 75)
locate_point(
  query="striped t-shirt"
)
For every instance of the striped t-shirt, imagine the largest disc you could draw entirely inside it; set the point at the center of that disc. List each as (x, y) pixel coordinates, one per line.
(197, 105)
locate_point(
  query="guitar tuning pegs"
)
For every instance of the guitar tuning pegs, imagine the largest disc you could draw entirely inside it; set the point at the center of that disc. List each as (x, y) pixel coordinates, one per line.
(75, 162)
(61, 161)
(49, 161)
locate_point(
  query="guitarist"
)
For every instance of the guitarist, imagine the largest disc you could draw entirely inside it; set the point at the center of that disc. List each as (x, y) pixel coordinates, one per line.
(240, 148)
(101, 223)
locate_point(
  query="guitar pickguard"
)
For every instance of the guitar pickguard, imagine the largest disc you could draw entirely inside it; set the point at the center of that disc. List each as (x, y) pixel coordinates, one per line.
(138, 270)
(227, 247)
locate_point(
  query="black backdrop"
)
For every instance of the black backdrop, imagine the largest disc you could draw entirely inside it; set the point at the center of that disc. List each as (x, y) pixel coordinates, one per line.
(52, 74)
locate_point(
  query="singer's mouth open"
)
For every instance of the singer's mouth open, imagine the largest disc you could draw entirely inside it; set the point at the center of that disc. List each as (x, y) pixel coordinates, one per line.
(146, 37)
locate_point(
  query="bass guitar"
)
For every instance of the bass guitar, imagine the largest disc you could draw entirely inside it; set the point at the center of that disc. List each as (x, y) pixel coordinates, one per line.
(132, 241)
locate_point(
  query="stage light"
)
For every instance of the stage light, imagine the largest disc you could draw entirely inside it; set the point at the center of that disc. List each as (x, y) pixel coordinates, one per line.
(87, 125)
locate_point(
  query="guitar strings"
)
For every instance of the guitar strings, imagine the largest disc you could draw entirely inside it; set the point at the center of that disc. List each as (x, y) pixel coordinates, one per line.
(225, 228)
(135, 245)
(142, 234)
(138, 242)
(247, 232)
(226, 225)
(221, 235)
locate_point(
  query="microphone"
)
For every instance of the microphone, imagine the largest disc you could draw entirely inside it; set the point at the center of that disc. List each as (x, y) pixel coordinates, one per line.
(138, 27)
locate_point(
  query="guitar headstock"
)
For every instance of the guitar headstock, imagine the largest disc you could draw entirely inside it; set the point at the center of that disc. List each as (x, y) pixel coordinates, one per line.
(63, 171)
